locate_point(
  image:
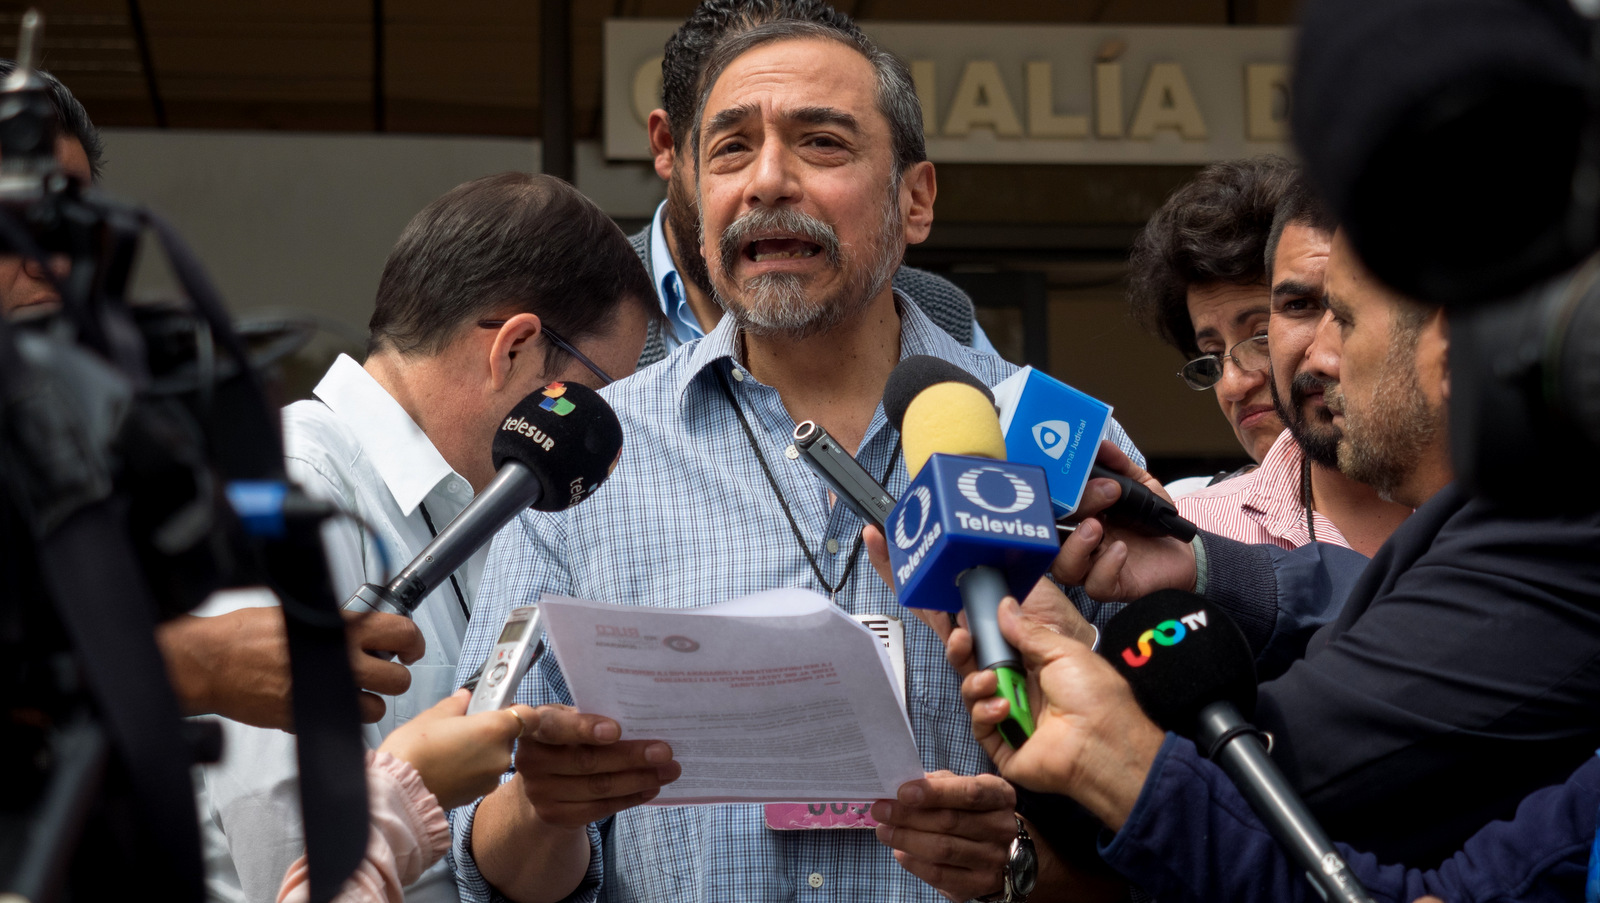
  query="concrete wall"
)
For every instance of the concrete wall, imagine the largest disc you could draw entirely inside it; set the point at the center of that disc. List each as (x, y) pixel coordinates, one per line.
(304, 222)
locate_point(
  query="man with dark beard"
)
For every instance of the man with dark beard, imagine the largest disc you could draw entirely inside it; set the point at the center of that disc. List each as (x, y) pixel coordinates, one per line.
(670, 244)
(1460, 673)
(1297, 495)
(812, 178)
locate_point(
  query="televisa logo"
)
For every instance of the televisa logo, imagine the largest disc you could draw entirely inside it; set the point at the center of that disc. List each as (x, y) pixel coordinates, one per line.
(906, 541)
(967, 484)
(1167, 633)
(924, 501)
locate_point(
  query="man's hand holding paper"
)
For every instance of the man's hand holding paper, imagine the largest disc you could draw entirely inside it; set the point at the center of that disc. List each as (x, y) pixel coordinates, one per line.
(574, 769)
(775, 697)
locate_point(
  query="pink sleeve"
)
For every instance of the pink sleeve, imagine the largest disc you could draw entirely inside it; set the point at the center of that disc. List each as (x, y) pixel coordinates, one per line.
(409, 833)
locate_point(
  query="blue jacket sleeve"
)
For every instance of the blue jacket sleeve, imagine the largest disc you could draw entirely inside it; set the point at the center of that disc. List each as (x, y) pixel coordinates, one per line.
(1192, 837)
(1278, 597)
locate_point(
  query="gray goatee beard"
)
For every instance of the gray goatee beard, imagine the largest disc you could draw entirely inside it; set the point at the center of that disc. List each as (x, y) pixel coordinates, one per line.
(777, 304)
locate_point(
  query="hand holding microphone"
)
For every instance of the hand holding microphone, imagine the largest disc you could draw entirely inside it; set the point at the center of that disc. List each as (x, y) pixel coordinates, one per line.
(1111, 562)
(970, 529)
(1168, 660)
(1193, 672)
(1091, 741)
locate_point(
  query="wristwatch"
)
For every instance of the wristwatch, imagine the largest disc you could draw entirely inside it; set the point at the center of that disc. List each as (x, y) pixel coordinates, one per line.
(1021, 871)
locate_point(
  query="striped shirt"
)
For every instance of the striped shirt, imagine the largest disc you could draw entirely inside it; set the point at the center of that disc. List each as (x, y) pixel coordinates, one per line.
(1262, 506)
(687, 520)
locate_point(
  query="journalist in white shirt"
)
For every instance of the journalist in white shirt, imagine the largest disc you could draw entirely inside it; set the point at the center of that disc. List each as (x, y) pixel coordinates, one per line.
(501, 286)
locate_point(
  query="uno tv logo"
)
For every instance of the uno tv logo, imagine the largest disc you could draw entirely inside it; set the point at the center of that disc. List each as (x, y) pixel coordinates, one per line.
(967, 483)
(1167, 633)
(924, 506)
(554, 402)
(1052, 437)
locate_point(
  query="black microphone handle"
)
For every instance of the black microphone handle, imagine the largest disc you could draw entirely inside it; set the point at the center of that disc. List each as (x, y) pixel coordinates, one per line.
(1141, 510)
(1234, 744)
(512, 490)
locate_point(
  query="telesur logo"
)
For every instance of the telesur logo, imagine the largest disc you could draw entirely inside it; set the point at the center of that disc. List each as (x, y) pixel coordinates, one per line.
(924, 505)
(1052, 437)
(554, 402)
(968, 485)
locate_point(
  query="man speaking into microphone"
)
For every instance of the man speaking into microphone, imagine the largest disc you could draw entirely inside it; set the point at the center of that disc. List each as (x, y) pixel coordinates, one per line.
(812, 179)
(503, 285)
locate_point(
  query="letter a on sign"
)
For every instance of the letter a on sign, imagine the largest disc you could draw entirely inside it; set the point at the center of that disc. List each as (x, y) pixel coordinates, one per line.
(981, 100)
(1167, 103)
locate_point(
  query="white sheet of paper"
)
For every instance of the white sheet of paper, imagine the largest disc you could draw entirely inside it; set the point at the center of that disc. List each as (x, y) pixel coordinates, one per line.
(775, 697)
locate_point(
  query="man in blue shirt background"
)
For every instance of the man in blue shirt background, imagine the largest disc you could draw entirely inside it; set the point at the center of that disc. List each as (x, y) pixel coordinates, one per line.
(670, 244)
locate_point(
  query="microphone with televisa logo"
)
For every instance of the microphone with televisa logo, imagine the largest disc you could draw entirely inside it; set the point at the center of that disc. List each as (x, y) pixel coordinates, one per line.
(554, 449)
(1193, 673)
(1032, 392)
(971, 528)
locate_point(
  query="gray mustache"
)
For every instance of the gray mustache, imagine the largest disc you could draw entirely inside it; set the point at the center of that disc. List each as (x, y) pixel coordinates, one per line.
(767, 220)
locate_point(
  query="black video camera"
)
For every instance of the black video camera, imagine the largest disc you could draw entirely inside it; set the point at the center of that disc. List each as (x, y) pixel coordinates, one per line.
(140, 469)
(1459, 143)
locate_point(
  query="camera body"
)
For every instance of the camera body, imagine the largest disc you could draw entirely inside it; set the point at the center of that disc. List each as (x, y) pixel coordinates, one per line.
(1459, 144)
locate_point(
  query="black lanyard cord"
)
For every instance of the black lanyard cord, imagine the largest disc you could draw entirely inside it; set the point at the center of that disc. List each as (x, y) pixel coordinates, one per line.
(1305, 496)
(772, 481)
(460, 597)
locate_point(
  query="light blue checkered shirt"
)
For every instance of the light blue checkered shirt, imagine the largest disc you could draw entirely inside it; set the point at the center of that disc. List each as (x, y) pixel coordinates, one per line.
(687, 520)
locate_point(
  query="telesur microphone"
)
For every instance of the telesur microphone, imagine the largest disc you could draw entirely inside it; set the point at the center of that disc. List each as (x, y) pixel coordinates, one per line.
(554, 449)
(971, 528)
(1192, 672)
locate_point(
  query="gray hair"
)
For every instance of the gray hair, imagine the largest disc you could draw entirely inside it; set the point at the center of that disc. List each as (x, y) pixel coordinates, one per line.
(896, 92)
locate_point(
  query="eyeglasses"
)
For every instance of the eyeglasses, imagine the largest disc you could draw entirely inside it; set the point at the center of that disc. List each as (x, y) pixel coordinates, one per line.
(1205, 371)
(556, 340)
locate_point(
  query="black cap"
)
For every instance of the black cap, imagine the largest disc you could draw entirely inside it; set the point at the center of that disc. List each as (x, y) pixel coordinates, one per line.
(1193, 655)
(917, 373)
(568, 436)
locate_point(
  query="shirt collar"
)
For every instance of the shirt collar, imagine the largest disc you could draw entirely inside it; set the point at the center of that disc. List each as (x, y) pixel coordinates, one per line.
(399, 450)
(1275, 491)
(669, 284)
(918, 335)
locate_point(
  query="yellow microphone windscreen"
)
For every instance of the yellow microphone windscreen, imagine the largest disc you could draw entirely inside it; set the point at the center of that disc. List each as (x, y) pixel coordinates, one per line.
(953, 419)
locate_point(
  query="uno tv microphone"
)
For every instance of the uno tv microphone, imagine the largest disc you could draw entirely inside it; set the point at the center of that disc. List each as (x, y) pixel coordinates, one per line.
(554, 449)
(971, 528)
(1193, 673)
(849, 481)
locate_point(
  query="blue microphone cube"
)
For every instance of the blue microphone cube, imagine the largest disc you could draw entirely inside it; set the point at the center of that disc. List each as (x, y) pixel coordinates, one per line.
(962, 512)
(1049, 423)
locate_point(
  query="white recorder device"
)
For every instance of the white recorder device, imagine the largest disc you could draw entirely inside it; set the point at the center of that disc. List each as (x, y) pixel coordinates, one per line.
(514, 653)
